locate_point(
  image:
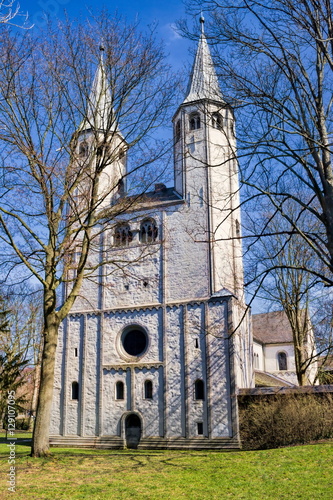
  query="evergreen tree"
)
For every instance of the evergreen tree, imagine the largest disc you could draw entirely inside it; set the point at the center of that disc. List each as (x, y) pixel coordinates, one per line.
(11, 367)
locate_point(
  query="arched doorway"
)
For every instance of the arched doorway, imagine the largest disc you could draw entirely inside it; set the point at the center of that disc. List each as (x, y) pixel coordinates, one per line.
(132, 430)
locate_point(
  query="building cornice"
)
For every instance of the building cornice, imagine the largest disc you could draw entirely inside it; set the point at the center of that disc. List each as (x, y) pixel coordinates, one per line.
(156, 305)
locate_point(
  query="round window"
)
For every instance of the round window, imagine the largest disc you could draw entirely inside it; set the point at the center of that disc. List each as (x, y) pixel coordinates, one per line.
(134, 341)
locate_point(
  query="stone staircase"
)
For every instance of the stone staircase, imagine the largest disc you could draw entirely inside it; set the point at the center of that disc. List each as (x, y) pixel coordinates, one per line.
(151, 443)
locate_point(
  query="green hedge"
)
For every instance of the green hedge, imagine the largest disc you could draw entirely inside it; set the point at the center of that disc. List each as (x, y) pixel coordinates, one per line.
(286, 419)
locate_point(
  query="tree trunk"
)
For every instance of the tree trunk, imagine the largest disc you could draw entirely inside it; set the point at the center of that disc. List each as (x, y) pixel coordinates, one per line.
(300, 360)
(35, 395)
(40, 440)
(303, 380)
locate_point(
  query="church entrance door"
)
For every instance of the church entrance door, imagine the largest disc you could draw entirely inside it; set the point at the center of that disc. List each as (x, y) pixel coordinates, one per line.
(132, 430)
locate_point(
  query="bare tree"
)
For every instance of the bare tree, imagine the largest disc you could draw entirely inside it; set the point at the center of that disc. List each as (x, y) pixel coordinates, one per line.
(8, 11)
(61, 143)
(277, 273)
(275, 62)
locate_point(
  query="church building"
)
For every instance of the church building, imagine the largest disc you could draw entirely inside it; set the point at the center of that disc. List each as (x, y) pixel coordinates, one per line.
(152, 355)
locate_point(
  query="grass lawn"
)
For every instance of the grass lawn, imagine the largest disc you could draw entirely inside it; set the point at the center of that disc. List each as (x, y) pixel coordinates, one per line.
(304, 472)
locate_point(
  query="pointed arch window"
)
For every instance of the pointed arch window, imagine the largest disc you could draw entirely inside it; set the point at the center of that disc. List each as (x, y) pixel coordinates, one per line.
(217, 121)
(75, 391)
(119, 390)
(199, 390)
(123, 235)
(177, 131)
(195, 121)
(148, 231)
(148, 389)
(282, 361)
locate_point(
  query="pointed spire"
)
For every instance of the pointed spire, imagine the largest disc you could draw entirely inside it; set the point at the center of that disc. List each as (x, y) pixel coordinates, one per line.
(203, 82)
(99, 107)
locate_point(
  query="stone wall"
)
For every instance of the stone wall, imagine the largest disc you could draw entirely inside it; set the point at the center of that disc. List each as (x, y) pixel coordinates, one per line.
(186, 343)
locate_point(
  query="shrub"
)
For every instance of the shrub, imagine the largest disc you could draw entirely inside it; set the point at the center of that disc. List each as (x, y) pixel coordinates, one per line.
(281, 420)
(22, 424)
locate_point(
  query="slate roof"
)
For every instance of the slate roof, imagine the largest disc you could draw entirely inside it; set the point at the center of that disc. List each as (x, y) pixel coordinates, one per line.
(162, 194)
(158, 197)
(100, 114)
(203, 83)
(271, 328)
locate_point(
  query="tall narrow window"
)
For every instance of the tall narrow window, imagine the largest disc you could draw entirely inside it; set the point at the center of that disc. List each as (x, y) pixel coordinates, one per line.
(177, 131)
(217, 121)
(148, 389)
(237, 229)
(195, 122)
(75, 390)
(148, 231)
(199, 389)
(200, 428)
(83, 149)
(256, 360)
(119, 390)
(121, 187)
(122, 235)
(282, 361)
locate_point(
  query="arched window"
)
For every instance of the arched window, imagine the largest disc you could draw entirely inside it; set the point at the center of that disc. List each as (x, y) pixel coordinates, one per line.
(83, 149)
(75, 390)
(199, 389)
(217, 121)
(195, 122)
(177, 131)
(122, 235)
(282, 361)
(148, 389)
(121, 187)
(119, 390)
(148, 231)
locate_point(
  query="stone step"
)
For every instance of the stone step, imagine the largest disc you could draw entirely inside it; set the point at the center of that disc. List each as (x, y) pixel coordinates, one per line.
(151, 443)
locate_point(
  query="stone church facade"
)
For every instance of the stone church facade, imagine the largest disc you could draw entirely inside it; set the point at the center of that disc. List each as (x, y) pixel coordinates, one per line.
(153, 354)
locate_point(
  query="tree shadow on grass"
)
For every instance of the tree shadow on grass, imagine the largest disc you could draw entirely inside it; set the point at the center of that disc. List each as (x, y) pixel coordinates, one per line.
(23, 443)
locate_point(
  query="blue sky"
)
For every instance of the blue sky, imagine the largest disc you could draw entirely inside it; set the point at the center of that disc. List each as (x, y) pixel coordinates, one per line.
(165, 13)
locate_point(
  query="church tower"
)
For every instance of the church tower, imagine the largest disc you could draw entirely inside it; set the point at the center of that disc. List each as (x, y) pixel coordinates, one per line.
(206, 168)
(99, 142)
(153, 352)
